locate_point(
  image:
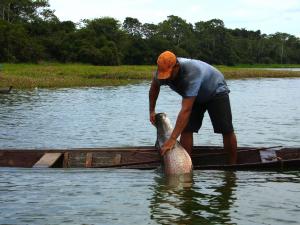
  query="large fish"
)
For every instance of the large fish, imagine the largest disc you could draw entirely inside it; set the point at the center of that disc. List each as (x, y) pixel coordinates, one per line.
(176, 161)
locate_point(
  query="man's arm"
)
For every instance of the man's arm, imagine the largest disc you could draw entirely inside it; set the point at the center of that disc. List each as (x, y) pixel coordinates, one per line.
(153, 95)
(181, 122)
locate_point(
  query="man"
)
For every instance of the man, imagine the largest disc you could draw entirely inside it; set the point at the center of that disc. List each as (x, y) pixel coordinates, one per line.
(202, 88)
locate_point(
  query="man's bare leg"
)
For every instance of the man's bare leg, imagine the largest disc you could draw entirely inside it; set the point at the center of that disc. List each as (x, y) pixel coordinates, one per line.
(230, 146)
(186, 140)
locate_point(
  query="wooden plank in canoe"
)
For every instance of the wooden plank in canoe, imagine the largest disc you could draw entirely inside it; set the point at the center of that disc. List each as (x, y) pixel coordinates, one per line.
(19, 159)
(76, 159)
(89, 160)
(47, 160)
(101, 160)
(268, 155)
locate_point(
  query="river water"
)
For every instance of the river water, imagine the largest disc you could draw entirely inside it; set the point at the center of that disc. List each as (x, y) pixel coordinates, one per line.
(266, 112)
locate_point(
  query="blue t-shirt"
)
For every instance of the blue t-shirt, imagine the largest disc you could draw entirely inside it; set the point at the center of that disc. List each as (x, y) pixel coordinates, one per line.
(197, 78)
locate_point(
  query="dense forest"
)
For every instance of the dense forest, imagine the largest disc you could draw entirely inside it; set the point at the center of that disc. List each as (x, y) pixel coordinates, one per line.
(30, 32)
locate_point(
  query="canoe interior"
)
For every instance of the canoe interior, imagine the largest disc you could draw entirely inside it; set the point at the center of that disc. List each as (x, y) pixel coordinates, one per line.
(147, 157)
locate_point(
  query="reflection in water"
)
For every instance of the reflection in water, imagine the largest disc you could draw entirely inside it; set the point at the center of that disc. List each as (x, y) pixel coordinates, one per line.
(176, 202)
(179, 181)
(127, 197)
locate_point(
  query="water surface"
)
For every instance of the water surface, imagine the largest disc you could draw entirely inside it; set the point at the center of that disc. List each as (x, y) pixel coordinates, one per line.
(50, 196)
(282, 69)
(265, 113)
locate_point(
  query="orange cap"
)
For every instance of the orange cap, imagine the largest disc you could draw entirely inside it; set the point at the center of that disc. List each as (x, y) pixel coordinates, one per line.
(165, 63)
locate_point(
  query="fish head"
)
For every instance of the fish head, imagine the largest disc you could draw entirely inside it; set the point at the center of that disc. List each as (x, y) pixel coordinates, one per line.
(162, 122)
(163, 126)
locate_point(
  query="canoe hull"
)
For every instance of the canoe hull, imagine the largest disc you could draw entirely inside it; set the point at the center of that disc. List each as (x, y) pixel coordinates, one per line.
(147, 157)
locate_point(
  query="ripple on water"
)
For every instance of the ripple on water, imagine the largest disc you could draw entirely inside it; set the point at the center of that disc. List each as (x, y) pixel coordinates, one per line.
(264, 114)
(112, 196)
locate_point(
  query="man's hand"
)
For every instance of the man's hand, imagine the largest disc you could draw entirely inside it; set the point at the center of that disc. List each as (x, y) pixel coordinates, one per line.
(181, 122)
(152, 118)
(168, 145)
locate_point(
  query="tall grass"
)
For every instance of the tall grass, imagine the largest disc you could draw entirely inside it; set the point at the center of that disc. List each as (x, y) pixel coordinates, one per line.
(71, 75)
(267, 66)
(76, 75)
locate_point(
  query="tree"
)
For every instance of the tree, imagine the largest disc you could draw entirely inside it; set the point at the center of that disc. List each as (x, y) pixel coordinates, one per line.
(16, 45)
(107, 27)
(149, 30)
(280, 41)
(25, 10)
(99, 42)
(214, 42)
(250, 46)
(133, 27)
(175, 29)
(30, 32)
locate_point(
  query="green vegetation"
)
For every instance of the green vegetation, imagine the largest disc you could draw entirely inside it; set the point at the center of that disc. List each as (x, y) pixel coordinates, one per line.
(90, 53)
(70, 75)
(274, 66)
(30, 32)
(79, 75)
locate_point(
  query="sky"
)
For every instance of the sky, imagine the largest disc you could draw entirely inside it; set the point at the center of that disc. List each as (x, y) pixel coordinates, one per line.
(269, 16)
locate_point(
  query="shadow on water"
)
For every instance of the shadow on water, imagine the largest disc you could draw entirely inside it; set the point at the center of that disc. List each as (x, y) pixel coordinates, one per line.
(181, 201)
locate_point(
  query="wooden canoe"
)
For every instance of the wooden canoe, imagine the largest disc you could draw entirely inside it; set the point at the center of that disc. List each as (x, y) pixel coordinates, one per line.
(147, 157)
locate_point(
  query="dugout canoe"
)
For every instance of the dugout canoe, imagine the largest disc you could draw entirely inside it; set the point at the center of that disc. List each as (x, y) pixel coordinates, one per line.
(147, 157)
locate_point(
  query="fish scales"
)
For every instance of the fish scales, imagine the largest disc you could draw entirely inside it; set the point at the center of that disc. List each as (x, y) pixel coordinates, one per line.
(176, 160)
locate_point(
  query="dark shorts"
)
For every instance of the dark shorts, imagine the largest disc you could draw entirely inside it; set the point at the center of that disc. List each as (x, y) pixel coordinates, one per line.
(219, 112)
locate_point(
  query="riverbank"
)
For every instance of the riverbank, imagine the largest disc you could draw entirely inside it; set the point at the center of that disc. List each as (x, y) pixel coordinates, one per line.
(51, 75)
